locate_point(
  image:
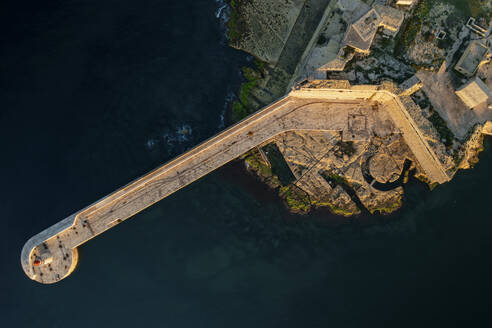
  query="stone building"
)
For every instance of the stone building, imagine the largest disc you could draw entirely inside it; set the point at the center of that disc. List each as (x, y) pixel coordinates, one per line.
(392, 19)
(361, 33)
(474, 93)
(475, 54)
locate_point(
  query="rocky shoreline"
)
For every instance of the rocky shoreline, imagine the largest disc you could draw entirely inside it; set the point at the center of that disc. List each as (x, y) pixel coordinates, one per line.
(326, 171)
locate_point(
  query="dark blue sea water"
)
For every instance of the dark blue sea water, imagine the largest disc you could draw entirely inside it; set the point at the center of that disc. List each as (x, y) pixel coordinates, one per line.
(95, 93)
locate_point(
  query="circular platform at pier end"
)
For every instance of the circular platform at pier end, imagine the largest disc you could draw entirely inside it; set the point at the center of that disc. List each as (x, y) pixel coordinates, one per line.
(50, 256)
(48, 263)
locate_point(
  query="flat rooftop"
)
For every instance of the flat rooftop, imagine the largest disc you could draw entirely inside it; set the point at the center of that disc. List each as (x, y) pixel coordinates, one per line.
(368, 24)
(474, 93)
(474, 54)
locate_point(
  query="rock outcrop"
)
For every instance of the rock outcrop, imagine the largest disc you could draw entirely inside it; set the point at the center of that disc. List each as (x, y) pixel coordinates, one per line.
(471, 149)
(363, 166)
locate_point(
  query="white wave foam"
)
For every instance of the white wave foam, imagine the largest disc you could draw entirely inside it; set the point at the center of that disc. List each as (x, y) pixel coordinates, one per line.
(222, 14)
(150, 144)
(228, 99)
(170, 139)
(219, 11)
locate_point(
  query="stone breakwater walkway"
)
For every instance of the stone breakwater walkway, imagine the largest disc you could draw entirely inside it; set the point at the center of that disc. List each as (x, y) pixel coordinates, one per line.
(319, 105)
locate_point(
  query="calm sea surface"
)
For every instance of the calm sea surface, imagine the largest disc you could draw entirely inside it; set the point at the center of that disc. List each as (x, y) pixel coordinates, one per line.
(95, 93)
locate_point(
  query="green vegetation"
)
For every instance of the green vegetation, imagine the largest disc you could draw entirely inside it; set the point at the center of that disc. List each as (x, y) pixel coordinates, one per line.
(233, 30)
(424, 9)
(337, 178)
(253, 75)
(388, 208)
(238, 111)
(260, 65)
(468, 7)
(297, 200)
(476, 9)
(461, 5)
(245, 91)
(240, 108)
(409, 32)
(256, 163)
(333, 177)
(338, 210)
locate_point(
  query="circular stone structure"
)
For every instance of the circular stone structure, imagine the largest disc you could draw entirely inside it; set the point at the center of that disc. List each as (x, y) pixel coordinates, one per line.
(383, 168)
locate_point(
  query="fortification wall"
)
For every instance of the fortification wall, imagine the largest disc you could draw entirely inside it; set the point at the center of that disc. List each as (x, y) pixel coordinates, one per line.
(320, 106)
